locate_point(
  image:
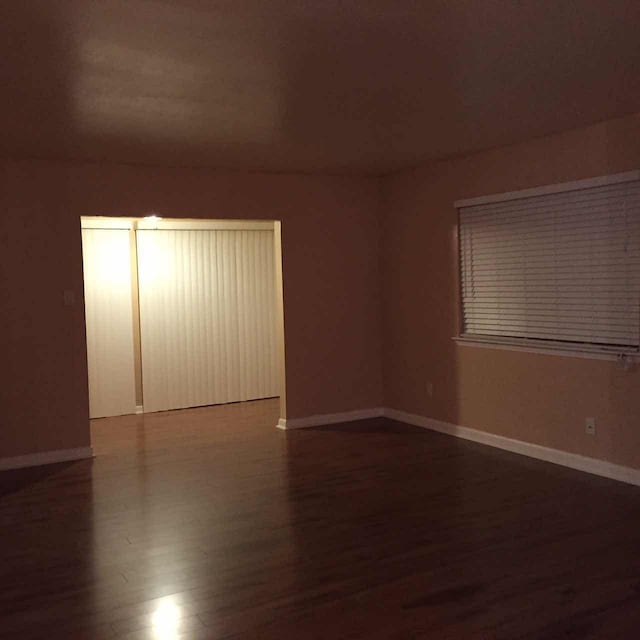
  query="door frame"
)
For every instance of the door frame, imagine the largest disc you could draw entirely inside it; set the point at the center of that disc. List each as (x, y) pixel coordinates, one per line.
(155, 222)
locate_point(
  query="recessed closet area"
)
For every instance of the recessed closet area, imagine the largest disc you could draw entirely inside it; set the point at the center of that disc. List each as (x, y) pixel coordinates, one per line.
(181, 313)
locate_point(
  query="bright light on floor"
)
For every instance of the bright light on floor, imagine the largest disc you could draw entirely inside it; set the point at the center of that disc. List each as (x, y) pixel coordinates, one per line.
(165, 620)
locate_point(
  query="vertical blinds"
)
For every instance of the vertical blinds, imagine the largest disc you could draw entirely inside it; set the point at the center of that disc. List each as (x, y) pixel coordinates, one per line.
(207, 317)
(561, 267)
(108, 308)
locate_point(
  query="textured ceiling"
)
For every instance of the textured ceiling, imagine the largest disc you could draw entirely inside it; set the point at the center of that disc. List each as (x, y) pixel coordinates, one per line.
(327, 86)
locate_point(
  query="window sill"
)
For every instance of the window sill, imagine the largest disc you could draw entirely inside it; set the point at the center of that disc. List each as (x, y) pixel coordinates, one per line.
(622, 354)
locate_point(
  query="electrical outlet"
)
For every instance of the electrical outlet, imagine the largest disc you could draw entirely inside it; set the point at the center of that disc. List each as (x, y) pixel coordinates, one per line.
(430, 389)
(590, 426)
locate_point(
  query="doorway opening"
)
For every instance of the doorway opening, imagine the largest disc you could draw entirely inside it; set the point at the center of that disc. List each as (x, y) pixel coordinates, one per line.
(182, 313)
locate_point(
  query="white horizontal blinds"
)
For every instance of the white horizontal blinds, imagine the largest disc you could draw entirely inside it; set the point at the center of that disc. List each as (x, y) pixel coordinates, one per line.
(559, 267)
(109, 321)
(207, 315)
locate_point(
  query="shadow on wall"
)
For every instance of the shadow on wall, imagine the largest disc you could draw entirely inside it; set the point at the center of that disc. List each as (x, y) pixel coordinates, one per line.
(420, 299)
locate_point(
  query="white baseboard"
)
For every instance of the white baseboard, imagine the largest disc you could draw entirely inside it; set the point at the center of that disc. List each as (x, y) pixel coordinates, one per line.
(45, 457)
(329, 418)
(564, 458)
(139, 409)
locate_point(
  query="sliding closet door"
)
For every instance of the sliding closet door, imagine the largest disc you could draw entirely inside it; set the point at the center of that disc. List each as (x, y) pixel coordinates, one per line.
(108, 308)
(207, 317)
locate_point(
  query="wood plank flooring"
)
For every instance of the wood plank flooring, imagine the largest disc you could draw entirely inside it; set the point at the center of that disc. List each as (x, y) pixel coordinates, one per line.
(211, 524)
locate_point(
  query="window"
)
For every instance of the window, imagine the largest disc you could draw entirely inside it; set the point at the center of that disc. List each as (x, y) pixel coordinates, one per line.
(554, 267)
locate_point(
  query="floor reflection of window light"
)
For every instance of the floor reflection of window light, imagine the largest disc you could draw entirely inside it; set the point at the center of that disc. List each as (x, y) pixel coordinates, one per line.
(165, 620)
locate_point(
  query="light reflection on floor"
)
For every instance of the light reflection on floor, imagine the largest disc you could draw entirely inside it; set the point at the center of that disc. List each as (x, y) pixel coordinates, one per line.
(165, 620)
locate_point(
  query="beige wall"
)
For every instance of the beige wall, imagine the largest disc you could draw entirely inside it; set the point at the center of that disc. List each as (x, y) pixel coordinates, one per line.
(340, 241)
(538, 398)
(331, 283)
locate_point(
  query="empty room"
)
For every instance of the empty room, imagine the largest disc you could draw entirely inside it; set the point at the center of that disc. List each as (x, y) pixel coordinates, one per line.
(319, 319)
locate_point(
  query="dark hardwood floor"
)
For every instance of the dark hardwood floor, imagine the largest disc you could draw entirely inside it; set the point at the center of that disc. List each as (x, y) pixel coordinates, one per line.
(210, 523)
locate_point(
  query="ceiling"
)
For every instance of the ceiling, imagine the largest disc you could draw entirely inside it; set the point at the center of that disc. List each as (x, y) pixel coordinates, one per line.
(313, 86)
